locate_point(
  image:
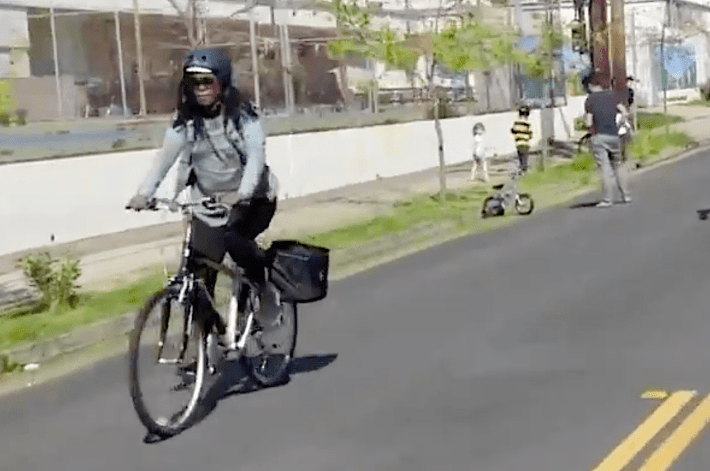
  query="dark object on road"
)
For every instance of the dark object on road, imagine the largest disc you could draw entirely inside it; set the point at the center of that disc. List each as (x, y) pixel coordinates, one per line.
(703, 214)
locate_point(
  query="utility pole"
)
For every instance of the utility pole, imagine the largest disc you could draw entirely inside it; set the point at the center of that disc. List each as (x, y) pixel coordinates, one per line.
(618, 45)
(57, 80)
(664, 74)
(289, 100)
(599, 40)
(634, 60)
(119, 46)
(254, 60)
(547, 111)
(139, 55)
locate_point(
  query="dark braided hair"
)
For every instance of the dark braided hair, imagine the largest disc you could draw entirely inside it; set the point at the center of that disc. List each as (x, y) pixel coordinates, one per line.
(234, 103)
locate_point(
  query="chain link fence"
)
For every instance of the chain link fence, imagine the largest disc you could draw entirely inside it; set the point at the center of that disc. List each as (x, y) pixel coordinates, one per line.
(84, 64)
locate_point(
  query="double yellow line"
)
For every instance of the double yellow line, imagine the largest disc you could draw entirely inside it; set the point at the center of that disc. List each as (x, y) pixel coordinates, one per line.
(673, 446)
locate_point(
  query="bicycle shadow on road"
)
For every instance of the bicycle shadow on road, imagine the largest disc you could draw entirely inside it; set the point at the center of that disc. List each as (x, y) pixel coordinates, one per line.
(234, 380)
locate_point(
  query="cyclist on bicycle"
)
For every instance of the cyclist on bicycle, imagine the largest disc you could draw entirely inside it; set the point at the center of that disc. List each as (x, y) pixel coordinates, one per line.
(219, 143)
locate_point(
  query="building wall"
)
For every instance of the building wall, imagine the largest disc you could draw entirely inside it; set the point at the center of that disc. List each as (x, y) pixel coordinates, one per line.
(38, 96)
(648, 21)
(648, 17)
(14, 43)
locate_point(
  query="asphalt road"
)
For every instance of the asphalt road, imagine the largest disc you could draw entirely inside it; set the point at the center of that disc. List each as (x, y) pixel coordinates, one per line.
(523, 349)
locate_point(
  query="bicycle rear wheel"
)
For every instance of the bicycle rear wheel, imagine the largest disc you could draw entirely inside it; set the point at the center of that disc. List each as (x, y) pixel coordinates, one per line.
(167, 360)
(272, 343)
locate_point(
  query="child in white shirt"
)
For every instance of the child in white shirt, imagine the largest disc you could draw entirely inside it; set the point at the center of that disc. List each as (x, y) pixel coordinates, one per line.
(479, 153)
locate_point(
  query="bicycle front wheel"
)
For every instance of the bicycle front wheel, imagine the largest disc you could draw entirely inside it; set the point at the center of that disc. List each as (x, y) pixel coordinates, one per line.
(167, 364)
(524, 204)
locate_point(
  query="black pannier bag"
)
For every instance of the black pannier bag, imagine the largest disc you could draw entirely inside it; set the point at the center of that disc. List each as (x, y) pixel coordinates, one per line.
(299, 270)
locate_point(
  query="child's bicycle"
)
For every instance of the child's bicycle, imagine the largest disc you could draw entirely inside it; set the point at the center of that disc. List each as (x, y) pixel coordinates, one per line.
(181, 321)
(495, 205)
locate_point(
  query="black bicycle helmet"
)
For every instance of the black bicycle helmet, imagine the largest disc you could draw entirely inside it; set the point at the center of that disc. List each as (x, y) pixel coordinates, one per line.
(211, 61)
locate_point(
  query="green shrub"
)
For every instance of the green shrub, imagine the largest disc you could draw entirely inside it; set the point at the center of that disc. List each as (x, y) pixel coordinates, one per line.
(54, 280)
(579, 124)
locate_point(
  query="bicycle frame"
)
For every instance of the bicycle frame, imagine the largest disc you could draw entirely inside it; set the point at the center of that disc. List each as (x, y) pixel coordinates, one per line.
(509, 191)
(186, 287)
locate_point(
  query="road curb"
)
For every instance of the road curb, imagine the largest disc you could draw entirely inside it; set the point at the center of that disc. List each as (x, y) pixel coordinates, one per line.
(41, 352)
(345, 263)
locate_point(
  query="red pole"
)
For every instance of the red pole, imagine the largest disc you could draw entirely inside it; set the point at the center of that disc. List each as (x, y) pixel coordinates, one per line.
(599, 40)
(618, 45)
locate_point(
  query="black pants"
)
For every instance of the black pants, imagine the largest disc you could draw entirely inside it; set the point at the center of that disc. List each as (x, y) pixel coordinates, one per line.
(237, 238)
(523, 153)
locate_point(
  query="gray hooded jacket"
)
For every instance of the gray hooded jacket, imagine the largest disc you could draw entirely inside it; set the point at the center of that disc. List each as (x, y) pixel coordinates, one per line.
(224, 161)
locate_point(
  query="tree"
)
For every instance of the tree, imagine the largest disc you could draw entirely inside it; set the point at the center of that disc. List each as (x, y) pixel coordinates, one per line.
(192, 18)
(540, 64)
(465, 43)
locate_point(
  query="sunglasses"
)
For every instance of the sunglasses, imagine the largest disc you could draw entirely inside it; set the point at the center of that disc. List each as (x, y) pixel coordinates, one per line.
(197, 81)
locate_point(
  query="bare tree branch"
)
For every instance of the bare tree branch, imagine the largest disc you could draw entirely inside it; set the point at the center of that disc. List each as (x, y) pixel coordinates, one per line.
(177, 8)
(249, 6)
(188, 20)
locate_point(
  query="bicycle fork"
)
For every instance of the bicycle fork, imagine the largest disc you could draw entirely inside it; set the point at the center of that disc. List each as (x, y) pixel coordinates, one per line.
(186, 328)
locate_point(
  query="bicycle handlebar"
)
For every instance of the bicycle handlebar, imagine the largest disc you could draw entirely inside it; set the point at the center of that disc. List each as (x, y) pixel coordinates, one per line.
(155, 204)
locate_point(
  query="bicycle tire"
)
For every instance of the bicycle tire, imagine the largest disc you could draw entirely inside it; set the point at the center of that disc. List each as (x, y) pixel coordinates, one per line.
(485, 213)
(524, 196)
(184, 417)
(253, 364)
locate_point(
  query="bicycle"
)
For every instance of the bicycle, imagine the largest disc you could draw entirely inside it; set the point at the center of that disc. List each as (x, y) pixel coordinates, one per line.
(198, 336)
(495, 205)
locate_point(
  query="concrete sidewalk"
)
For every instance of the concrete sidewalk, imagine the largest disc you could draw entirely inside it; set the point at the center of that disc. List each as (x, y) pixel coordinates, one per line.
(115, 258)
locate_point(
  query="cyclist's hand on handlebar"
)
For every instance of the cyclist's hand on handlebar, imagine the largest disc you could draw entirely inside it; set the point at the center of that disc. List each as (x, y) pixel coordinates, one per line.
(230, 199)
(139, 203)
(173, 206)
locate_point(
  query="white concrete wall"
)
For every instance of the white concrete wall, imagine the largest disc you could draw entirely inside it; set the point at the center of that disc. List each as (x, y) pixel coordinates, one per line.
(81, 197)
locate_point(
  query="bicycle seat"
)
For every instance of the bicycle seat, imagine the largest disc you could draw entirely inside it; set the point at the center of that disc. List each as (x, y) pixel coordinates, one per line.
(498, 186)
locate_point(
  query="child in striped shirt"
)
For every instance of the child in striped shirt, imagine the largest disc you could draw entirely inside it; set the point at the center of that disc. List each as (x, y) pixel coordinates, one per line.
(522, 133)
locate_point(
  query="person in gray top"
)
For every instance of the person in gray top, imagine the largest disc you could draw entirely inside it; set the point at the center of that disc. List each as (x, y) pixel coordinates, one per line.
(601, 108)
(219, 144)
